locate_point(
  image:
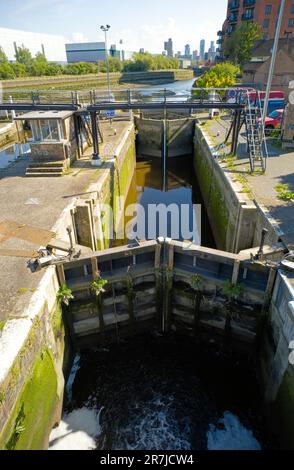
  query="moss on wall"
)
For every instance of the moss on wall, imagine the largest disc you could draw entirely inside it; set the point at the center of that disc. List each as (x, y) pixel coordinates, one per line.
(212, 193)
(123, 176)
(220, 216)
(57, 321)
(31, 418)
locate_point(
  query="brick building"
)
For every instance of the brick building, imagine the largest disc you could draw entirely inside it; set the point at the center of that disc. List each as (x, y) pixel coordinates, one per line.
(255, 72)
(263, 12)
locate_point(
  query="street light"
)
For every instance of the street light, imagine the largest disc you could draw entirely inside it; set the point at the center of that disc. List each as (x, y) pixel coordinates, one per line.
(106, 29)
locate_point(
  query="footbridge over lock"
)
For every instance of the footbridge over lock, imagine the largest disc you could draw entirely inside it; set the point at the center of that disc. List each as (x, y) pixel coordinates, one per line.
(163, 285)
(96, 103)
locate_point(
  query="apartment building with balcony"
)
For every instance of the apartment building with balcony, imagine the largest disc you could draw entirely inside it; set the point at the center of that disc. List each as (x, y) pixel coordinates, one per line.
(263, 12)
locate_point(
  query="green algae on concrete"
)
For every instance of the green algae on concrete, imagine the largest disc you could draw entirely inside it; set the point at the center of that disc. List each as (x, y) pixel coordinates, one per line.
(30, 421)
(213, 195)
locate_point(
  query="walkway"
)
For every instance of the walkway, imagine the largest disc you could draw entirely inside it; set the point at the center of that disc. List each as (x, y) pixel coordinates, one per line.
(38, 202)
(280, 170)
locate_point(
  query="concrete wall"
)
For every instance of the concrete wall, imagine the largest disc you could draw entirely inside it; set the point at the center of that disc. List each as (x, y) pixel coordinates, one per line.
(8, 134)
(31, 378)
(231, 214)
(179, 135)
(114, 183)
(277, 374)
(164, 76)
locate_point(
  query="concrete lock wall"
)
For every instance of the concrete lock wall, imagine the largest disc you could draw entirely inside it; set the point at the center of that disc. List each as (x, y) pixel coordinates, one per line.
(92, 225)
(31, 377)
(35, 350)
(231, 214)
(277, 373)
(150, 135)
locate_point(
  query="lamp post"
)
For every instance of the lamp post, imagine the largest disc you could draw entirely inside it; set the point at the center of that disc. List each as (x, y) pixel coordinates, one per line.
(106, 29)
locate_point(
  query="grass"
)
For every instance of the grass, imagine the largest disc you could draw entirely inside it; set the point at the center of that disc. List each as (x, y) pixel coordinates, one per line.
(284, 193)
(23, 291)
(2, 324)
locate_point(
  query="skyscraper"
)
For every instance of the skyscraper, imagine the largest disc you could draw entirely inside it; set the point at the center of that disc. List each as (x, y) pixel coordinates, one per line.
(211, 52)
(202, 49)
(187, 50)
(168, 47)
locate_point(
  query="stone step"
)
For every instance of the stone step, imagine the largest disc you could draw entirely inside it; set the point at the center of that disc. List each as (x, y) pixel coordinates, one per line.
(43, 175)
(41, 169)
(49, 164)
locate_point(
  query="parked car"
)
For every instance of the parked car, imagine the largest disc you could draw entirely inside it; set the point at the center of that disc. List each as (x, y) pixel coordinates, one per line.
(273, 120)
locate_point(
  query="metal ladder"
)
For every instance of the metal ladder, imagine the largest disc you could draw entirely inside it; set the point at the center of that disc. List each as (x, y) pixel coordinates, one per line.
(256, 141)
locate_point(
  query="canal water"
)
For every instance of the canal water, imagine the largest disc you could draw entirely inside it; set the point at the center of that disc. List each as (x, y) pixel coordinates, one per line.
(11, 153)
(178, 191)
(162, 393)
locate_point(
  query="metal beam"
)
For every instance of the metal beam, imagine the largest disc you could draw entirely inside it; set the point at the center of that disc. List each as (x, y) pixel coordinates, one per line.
(37, 107)
(161, 105)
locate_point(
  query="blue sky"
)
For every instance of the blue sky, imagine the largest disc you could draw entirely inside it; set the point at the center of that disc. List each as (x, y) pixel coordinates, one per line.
(140, 23)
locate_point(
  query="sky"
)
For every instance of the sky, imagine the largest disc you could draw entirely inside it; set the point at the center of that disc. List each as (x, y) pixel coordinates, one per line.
(139, 23)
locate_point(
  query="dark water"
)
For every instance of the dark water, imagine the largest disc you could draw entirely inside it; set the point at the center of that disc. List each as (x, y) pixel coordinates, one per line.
(181, 189)
(166, 393)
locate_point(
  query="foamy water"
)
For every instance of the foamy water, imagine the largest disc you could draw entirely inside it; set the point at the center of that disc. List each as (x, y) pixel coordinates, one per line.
(231, 436)
(77, 431)
(153, 426)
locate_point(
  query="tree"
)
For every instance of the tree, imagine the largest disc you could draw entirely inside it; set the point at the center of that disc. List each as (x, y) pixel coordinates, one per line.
(38, 65)
(238, 49)
(220, 76)
(6, 71)
(24, 56)
(20, 70)
(3, 56)
(143, 62)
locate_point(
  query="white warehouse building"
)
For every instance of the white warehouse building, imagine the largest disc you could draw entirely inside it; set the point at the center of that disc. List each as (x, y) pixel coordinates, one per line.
(54, 46)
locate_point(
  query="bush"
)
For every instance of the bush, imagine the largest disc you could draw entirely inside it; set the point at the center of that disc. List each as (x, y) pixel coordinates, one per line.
(220, 76)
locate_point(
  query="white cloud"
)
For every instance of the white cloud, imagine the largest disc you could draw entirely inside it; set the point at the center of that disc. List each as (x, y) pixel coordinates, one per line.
(79, 37)
(152, 36)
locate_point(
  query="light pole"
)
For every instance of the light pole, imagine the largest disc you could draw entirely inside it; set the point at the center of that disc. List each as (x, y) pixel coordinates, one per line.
(106, 29)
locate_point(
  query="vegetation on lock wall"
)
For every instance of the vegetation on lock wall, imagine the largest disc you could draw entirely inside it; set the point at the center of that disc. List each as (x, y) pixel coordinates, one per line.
(30, 420)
